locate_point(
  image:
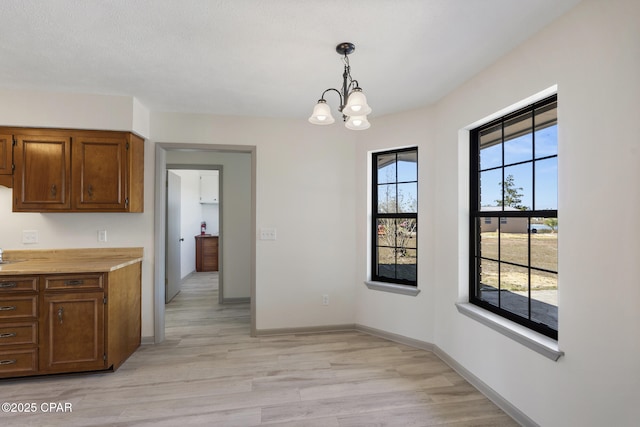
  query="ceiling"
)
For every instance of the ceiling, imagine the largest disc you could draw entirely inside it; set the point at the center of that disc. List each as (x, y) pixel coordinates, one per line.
(265, 58)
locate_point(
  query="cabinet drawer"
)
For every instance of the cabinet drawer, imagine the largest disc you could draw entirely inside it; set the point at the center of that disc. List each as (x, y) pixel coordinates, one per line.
(15, 363)
(15, 306)
(18, 333)
(13, 284)
(74, 282)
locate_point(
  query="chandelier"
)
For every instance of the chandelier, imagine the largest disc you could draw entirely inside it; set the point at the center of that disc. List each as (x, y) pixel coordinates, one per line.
(353, 103)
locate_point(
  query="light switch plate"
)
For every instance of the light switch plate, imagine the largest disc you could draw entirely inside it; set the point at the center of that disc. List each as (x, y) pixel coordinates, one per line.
(102, 236)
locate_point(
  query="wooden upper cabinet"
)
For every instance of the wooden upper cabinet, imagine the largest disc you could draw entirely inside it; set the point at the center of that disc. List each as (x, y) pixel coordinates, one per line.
(6, 145)
(78, 171)
(6, 160)
(42, 175)
(99, 173)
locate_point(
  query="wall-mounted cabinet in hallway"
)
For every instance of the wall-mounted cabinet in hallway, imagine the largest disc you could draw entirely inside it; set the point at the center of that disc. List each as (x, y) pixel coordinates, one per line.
(209, 187)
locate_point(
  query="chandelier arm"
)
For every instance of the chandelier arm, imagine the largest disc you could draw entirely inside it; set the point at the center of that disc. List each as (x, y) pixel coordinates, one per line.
(336, 91)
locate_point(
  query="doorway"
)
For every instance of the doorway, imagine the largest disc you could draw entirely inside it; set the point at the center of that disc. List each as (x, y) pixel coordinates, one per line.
(193, 225)
(238, 255)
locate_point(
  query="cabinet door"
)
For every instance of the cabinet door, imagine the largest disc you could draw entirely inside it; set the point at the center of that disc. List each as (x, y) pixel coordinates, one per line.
(99, 173)
(73, 332)
(6, 147)
(209, 191)
(42, 174)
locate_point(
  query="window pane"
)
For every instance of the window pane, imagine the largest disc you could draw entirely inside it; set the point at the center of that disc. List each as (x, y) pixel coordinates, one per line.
(518, 188)
(546, 119)
(406, 268)
(408, 166)
(518, 145)
(386, 168)
(408, 228)
(490, 195)
(488, 287)
(489, 238)
(386, 232)
(491, 147)
(547, 184)
(514, 282)
(544, 245)
(408, 197)
(387, 198)
(514, 245)
(386, 263)
(544, 298)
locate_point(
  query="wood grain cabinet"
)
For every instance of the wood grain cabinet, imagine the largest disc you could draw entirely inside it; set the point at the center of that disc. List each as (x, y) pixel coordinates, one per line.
(206, 253)
(77, 171)
(6, 163)
(69, 322)
(18, 326)
(72, 333)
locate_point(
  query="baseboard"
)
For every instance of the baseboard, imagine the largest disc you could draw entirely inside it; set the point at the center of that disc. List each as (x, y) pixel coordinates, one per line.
(400, 339)
(306, 330)
(147, 340)
(241, 300)
(482, 387)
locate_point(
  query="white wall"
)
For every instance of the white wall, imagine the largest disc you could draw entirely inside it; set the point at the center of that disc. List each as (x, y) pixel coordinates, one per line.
(593, 55)
(305, 186)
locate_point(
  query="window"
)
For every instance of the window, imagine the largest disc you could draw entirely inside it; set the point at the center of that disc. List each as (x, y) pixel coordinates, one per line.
(514, 177)
(395, 216)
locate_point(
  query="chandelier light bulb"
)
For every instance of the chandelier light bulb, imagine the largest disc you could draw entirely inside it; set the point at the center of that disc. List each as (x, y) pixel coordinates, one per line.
(357, 104)
(321, 114)
(358, 123)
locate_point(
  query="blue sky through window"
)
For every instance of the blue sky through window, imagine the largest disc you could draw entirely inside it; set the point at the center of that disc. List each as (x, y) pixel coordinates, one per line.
(520, 150)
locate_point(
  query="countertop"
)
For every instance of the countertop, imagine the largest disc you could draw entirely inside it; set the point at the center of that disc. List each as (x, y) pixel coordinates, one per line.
(50, 261)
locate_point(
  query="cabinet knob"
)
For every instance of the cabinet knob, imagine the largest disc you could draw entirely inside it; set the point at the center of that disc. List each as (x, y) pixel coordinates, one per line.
(60, 313)
(90, 191)
(8, 335)
(8, 308)
(8, 362)
(54, 190)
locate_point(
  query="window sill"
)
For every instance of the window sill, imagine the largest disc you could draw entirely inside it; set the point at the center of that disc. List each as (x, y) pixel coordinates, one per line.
(393, 288)
(531, 339)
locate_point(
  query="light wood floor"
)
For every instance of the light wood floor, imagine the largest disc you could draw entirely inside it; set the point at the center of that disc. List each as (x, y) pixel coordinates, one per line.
(209, 372)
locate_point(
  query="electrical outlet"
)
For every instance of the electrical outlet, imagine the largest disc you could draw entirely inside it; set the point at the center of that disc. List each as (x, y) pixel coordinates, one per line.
(102, 236)
(267, 234)
(325, 299)
(29, 236)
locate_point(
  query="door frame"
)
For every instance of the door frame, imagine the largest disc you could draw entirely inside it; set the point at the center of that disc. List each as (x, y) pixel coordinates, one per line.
(160, 222)
(167, 274)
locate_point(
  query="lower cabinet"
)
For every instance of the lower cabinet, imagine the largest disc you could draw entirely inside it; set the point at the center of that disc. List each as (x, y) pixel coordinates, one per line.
(69, 322)
(73, 332)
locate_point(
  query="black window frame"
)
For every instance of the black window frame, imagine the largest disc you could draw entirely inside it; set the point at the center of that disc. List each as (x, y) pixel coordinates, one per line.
(375, 216)
(477, 214)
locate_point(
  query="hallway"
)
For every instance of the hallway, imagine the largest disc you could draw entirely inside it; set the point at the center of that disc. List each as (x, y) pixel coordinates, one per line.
(210, 372)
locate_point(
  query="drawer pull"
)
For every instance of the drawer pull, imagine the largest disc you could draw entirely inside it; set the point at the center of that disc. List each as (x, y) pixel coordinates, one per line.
(8, 362)
(8, 335)
(7, 308)
(73, 282)
(8, 285)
